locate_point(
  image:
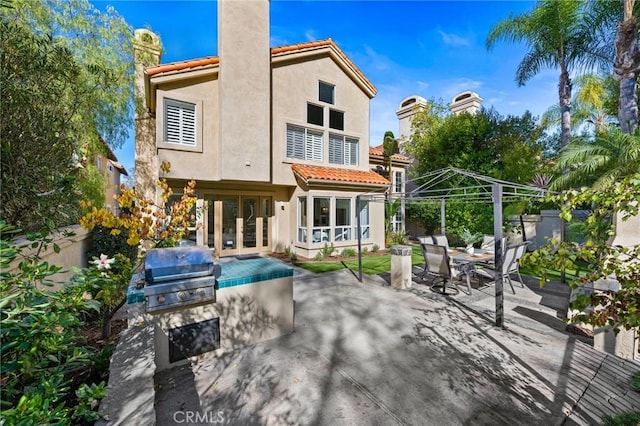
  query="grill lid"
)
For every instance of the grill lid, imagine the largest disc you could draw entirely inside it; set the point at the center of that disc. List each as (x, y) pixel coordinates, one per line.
(177, 263)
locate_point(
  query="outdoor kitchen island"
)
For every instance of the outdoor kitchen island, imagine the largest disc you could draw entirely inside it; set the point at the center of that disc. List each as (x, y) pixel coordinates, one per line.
(252, 301)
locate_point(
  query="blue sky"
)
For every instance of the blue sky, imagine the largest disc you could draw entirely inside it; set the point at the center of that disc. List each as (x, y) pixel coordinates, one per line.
(435, 49)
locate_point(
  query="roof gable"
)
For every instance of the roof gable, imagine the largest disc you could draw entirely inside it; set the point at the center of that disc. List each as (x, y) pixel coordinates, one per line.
(301, 51)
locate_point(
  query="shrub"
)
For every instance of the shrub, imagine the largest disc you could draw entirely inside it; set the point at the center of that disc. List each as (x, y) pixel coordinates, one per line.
(364, 251)
(43, 361)
(624, 419)
(348, 252)
(375, 248)
(327, 250)
(106, 242)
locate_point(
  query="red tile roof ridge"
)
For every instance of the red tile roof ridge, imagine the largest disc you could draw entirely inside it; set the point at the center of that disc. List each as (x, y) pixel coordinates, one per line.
(180, 65)
(378, 150)
(309, 172)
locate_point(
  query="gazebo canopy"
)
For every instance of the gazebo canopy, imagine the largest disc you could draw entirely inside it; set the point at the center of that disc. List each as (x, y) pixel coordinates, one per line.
(463, 186)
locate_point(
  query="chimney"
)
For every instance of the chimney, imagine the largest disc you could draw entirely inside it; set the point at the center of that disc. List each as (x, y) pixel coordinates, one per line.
(466, 102)
(244, 83)
(405, 112)
(146, 51)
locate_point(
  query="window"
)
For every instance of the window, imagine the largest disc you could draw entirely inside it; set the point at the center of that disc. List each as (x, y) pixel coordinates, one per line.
(110, 168)
(179, 122)
(302, 219)
(398, 182)
(315, 115)
(363, 213)
(396, 221)
(336, 119)
(342, 230)
(321, 229)
(343, 150)
(326, 92)
(304, 144)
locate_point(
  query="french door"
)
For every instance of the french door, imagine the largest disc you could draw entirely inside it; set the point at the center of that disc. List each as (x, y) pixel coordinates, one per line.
(240, 224)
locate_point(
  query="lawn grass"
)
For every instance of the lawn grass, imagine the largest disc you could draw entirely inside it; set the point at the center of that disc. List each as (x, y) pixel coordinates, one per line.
(371, 265)
(374, 265)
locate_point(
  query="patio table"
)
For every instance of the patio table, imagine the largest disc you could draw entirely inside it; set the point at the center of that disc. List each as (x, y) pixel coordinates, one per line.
(467, 262)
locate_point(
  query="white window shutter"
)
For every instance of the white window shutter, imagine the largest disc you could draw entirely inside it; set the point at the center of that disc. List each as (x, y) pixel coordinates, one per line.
(180, 122)
(295, 142)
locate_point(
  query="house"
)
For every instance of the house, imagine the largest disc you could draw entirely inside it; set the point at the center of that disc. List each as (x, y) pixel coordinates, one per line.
(107, 164)
(398, 177)
(276, 138)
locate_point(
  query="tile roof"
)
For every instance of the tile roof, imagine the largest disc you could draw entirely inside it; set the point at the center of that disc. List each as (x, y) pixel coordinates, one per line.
(379, 151)
(334, 174)
(182, 65)
(276, 51)
(293, 48)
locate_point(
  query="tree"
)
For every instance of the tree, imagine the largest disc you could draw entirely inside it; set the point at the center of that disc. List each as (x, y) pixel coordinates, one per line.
(598, 163)
(65, 80)
(590, 105)
(619, 309)
(487, 143)
(552, 32)
(611, 30)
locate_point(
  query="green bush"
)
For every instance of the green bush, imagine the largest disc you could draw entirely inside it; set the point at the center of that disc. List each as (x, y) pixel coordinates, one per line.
(375, 248)
(624, 419)
(104, 242)
(348, 252)
(43, 362)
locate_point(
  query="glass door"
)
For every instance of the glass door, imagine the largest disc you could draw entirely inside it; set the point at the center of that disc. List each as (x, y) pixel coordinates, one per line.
(229, 226)
(250, 214)
(244, 224)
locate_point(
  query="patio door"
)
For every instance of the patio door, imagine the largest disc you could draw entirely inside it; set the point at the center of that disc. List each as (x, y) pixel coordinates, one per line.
(244, 222)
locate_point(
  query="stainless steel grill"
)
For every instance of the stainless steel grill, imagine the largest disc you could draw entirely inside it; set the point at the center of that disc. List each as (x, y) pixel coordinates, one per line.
(178, 277)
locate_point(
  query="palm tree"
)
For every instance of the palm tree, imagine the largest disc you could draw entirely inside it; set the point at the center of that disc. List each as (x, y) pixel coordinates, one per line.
(588, 105)
(611, 156)
(552, 32)
(611, 30)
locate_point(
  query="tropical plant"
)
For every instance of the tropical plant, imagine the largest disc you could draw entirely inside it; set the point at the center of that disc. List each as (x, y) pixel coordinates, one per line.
(389, 149)
(589, 106)
(553, 35)
(611, 156)
(611, 39)
(390, 210)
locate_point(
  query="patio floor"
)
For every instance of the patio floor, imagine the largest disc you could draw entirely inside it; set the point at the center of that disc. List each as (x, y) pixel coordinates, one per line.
(367, 354)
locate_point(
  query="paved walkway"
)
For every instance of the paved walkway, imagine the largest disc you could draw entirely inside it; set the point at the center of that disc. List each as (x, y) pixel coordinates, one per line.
(367, 354)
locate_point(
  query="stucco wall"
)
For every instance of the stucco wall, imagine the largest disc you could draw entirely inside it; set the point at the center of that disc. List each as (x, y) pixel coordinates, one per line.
(73, 252)
(295, 85)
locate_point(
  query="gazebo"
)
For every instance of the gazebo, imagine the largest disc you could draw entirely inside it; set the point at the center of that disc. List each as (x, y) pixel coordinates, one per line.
(463, 185)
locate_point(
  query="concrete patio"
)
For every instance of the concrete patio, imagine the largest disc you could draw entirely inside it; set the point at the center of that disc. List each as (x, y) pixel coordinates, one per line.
(365, 354)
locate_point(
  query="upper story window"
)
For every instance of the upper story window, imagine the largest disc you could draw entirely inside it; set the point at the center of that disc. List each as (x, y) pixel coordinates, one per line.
(343, 150)
(304, 144)
(315, 114)
(398, 182)
(180, 122)
(336, 119)
(326, 93)
(110, 168)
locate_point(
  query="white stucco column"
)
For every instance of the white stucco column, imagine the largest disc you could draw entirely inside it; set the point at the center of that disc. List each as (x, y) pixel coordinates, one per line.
(401, 266)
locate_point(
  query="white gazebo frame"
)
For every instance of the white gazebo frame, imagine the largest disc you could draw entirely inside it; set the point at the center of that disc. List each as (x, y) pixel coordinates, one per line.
(464, 185)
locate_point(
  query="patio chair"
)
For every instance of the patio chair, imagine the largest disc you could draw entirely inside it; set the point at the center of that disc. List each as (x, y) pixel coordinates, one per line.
(438, 264)
(507, 267)
(521, 249)
(489, 243)
(440, 240)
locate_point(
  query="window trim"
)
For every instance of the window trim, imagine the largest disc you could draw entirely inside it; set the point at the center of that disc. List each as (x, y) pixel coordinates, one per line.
(333, 92)
(160, 122)
(346, 154)
(308, 154)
